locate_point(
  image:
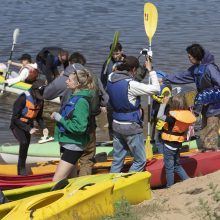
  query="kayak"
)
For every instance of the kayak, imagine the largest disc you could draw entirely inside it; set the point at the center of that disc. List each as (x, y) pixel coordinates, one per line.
(124, 185)
(51, 151)
(19, 88)
(41, 152)
(195, 164)
(92, 200)
(50, 166)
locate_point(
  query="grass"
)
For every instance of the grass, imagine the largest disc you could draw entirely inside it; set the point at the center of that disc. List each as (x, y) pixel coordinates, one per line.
(123, 210)
(209, 208)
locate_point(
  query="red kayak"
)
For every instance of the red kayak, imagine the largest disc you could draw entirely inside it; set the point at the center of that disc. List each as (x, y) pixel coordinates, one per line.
(195, 164)
(14, 181)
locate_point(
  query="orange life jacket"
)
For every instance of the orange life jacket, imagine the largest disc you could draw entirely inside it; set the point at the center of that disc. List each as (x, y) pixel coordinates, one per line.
(184, 118)
(33, 73)
(30, 110)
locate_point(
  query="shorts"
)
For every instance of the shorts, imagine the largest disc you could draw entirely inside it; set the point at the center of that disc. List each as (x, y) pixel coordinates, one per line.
(71, 156)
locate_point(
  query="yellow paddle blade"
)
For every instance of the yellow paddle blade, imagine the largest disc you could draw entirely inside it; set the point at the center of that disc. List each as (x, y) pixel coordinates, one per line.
(150, 20)
(148, 149)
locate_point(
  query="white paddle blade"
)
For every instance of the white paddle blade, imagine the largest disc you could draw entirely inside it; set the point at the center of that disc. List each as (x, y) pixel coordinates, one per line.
(15, 35)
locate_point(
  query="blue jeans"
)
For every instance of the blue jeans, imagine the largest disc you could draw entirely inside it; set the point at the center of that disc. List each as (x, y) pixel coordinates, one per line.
(123, 143)
(172, 164)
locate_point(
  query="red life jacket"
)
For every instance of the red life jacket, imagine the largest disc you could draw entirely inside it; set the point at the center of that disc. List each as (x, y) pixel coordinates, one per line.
(184, 118)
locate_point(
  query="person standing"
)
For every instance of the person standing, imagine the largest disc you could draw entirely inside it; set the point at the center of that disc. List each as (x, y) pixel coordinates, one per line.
(99, 100)
(206, 75)
(73, 122)
(27, 108)
(174, 125)
(124, 95)
(117, 57)
(49, 59)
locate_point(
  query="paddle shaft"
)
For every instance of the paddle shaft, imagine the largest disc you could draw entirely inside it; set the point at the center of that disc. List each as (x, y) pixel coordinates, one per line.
(115, 41)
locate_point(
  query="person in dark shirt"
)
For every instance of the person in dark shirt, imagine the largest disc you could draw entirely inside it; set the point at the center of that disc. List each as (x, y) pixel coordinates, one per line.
(49, 58)
(27, 108)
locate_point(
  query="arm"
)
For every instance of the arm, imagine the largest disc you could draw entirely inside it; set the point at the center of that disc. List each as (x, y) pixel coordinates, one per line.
(138, 89)
(56, 88)
(15, 64)
(103, 94)
(79, 121)
(40, 119)
(16, 115)
(180, 78)
(20, 78)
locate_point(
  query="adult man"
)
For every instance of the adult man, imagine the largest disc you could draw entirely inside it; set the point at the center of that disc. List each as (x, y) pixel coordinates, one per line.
(117, 57)
(58, 88)
(124, 95)
(49, 58)
(206, 75)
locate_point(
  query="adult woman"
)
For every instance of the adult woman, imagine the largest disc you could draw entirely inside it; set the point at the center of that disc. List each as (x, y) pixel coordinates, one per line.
(72, 122)
(27, 108)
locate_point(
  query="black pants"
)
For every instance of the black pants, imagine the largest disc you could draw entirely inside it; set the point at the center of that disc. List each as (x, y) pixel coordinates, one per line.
(23, 138)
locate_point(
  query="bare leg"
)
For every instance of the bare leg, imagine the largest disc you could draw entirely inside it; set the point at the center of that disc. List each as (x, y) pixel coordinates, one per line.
(63, 170)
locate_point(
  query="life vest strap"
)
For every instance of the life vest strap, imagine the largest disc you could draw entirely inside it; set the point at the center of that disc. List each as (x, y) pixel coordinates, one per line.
(174, 133)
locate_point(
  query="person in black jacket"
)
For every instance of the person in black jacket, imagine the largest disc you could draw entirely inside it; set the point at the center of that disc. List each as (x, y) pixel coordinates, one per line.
(49, 58)
(27, 108)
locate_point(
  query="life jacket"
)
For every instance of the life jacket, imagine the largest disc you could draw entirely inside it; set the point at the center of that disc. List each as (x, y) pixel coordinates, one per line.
(123, 110)
(31, 109)
(67, 110)
(184, 118)
(33, 73)
(208, 96)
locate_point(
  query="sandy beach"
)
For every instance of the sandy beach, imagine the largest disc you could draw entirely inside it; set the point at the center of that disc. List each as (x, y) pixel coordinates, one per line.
(196, 198)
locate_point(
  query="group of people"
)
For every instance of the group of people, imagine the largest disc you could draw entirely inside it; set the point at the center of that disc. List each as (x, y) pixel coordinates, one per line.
(118, 92)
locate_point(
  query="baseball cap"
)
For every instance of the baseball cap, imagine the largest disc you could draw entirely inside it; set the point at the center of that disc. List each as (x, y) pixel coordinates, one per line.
(25, 56)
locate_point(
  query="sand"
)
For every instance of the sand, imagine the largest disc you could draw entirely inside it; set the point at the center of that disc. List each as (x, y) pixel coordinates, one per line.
(196, 198)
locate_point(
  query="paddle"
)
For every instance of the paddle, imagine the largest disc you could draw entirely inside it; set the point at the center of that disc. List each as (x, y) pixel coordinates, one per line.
(115, 41)
(15, 36)
(150, 24)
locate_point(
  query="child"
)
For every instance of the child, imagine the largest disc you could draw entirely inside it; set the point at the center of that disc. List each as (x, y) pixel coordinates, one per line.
(72, 123)
(27, 108)
(175, 125)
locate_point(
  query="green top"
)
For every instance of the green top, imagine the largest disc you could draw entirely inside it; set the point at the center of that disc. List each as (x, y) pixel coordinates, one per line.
(77, 124)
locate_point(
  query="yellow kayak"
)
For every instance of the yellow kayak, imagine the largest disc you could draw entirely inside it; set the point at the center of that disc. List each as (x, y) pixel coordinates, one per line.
(87, 202)
(134, 187)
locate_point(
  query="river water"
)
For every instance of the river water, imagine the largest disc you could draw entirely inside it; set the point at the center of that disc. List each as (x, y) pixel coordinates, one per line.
(88, 26)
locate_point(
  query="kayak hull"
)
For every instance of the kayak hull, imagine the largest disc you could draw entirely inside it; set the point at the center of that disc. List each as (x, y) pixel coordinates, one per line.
(124, 185)
(195, 164)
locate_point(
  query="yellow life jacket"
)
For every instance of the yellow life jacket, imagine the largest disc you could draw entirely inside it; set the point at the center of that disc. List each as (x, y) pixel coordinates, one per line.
(184, 118)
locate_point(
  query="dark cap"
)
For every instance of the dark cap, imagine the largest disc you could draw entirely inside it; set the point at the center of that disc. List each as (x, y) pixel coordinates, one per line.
(38, 88)
(25, 56)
